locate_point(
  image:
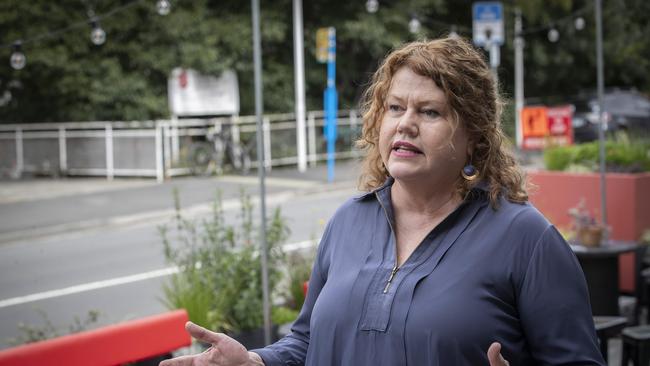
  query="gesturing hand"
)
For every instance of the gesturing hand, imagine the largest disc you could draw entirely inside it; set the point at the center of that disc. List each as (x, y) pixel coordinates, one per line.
(494, 355)
(225, 351)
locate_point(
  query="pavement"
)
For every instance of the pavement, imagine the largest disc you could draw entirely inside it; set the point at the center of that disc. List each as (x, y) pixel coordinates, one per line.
(33, 208)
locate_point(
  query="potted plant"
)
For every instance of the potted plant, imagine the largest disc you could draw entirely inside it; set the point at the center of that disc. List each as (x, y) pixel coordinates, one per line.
(588, 231)
(219, 281)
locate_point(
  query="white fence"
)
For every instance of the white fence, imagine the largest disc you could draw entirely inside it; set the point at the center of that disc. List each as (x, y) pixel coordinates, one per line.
(158, 148)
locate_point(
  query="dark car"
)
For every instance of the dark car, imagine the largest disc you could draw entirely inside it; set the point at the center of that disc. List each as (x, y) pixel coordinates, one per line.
(623, 111)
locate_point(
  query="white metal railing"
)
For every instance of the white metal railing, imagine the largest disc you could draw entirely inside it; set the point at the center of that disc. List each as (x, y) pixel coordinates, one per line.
(158, 148)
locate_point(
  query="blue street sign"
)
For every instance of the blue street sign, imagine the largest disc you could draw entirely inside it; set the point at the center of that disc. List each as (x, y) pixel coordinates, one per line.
(487, 23)
(330, 101)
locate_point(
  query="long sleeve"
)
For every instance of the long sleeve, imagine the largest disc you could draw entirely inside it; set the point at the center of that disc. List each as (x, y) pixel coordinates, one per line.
(554, 306)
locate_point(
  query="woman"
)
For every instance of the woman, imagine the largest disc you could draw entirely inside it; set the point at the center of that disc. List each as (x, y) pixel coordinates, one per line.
(442, 262)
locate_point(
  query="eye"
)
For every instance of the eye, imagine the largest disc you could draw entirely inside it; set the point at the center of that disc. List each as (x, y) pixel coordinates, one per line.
(431, 113)
(394, 108)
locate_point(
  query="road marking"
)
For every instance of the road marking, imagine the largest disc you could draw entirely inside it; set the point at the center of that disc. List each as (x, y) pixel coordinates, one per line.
(88, 287)
(289, 247)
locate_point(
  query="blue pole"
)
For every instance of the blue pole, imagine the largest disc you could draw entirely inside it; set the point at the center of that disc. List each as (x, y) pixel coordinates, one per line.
(331, 105)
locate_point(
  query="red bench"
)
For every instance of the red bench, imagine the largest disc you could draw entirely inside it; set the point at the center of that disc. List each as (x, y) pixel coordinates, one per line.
(107, 346)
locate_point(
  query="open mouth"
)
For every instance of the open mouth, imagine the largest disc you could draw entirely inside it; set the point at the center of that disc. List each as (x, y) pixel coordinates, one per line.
(405, 147)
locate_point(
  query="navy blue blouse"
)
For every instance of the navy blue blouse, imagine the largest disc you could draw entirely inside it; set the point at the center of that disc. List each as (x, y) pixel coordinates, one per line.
(482, 275)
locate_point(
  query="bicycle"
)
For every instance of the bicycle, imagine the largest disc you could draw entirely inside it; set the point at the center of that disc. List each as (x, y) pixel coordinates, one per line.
(210, 156)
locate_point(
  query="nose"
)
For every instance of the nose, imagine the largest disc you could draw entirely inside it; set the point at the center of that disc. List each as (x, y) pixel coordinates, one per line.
(407, 125)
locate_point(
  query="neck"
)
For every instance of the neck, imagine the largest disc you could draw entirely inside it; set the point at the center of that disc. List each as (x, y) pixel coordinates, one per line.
(430, 201)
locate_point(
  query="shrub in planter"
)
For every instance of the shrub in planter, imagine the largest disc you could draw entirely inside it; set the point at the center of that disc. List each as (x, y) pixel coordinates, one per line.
(220, 276)
(620, 156)
(299, 270)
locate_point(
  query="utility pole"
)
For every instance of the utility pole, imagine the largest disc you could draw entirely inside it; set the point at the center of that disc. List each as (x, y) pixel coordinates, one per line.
(601, 90)
(519, 76)
(259, 111)
(299, 72)
(495, 57)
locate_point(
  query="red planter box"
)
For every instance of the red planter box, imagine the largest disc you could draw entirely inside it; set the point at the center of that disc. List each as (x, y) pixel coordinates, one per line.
(628, 205)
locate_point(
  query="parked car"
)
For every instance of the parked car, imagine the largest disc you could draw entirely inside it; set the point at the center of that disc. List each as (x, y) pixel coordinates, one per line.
(623, 111)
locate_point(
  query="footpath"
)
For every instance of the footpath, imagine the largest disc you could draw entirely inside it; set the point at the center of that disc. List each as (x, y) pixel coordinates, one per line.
(33, 208)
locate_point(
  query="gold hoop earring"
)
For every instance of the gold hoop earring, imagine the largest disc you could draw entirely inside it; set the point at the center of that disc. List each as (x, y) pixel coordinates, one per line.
(469, 172)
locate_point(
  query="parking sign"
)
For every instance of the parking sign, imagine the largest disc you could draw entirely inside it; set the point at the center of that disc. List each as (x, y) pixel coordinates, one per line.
(487, 23)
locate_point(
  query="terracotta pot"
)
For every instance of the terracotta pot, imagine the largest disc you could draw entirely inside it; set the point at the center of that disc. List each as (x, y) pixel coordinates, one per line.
(590, 236)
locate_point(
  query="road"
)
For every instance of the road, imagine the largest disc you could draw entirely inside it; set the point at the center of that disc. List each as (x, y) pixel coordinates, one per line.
(65, 255)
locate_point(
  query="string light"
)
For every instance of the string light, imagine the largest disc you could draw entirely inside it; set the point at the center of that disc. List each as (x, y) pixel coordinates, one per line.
(576, 17)
(414, 25)
(97, 35)
(453, 33)
(163, 7)
(17, 59)
(372, 6)
(553, 35)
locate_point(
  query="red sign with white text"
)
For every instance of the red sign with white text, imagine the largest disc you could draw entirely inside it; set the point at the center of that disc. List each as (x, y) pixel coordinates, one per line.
(546, 126)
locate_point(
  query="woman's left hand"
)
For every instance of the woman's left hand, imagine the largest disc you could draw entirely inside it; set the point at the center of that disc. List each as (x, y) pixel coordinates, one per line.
(494, 355)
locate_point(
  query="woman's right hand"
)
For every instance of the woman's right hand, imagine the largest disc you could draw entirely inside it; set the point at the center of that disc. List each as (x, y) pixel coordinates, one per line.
(224, 351)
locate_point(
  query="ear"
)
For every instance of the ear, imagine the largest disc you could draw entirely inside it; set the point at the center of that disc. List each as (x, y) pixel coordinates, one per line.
(470, 148)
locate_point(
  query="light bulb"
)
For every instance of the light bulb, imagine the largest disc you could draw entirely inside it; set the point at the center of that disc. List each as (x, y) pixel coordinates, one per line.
(414, 25)
(579, 23)
(453, 33)
(372, 6)
(98, 36)
(163, 7)
(553, 35)
(17, 59)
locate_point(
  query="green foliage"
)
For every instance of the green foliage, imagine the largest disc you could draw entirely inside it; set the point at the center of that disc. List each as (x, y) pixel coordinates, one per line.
(558, 158)
(220, 276)
(620, 156)
(300, 266)
(190, 291)
(283, 315)
(33, 333)
(69, 79)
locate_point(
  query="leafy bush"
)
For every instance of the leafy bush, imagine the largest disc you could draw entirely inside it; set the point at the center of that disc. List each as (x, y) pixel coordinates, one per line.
(299, 272)
(219, 281)
(620, 156)
(558, 158)
(283, 315)
(34, 333)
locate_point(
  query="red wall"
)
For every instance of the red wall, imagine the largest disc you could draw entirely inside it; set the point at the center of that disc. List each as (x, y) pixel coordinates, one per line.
(628, 205)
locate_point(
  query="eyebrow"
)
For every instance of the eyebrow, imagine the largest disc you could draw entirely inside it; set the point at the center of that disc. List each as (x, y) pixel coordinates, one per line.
(431, 102)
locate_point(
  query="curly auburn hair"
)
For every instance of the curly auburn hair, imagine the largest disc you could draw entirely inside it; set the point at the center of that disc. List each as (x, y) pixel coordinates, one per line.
(472, 94)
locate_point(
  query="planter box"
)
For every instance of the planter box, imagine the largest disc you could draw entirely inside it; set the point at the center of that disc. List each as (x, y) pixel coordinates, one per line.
(628, 206)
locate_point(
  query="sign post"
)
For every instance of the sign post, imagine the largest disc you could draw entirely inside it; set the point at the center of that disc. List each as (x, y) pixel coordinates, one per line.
(330, 97)
(487, 29)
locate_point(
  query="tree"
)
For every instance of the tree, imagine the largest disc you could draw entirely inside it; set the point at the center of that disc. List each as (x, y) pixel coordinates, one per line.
(67, 78)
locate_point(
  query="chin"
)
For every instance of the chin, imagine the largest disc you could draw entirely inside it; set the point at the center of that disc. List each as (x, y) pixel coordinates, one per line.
(399, 173)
